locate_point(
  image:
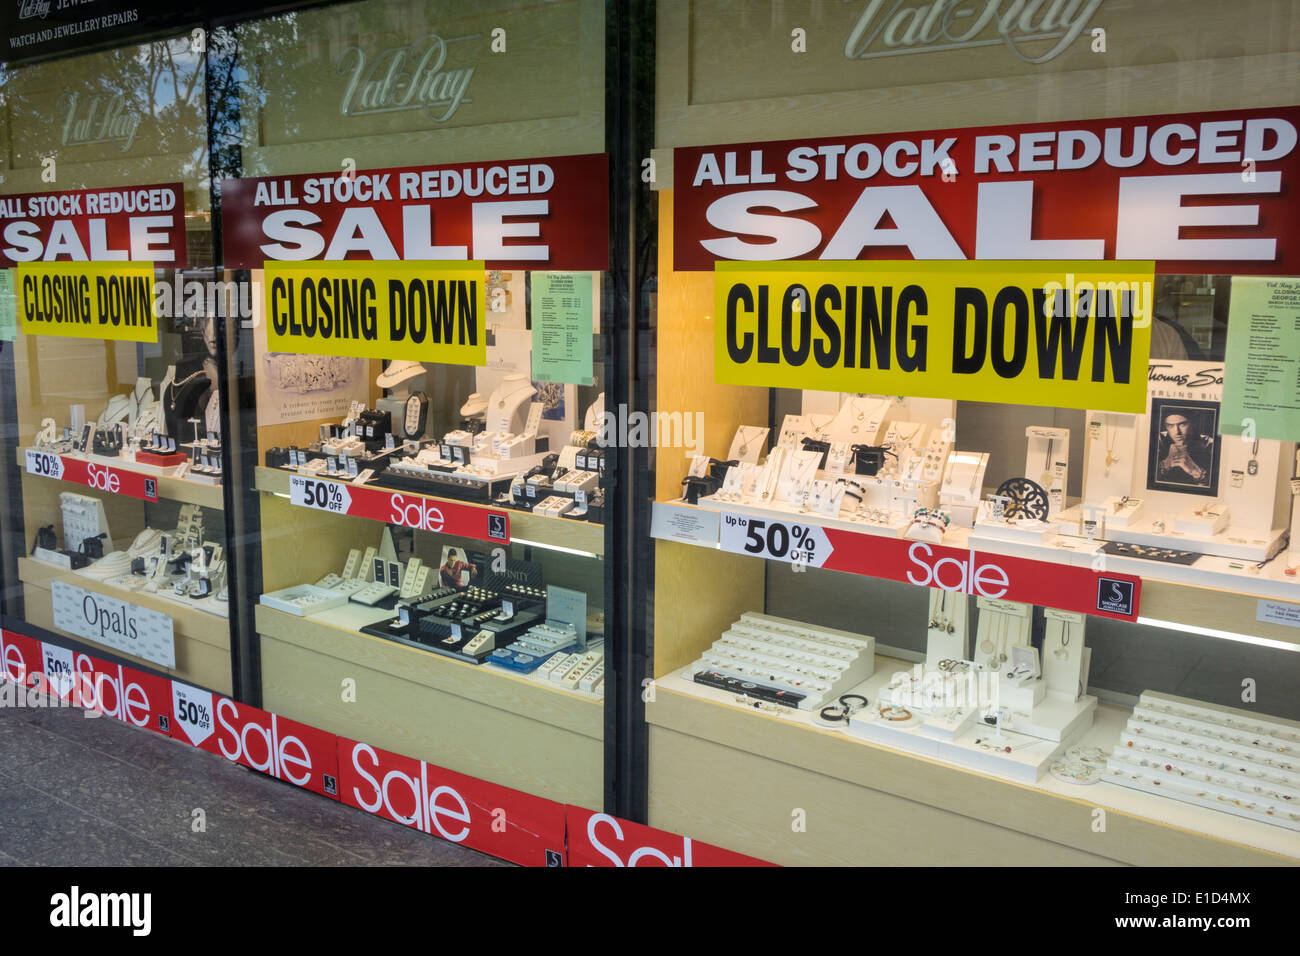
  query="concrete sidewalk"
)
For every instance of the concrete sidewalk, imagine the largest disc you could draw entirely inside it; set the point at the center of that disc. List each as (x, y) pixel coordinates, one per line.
(78, 791)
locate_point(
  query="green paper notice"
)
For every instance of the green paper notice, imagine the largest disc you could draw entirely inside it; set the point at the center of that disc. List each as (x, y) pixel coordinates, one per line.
(562, 327)
(8, 307)
(1261, 371)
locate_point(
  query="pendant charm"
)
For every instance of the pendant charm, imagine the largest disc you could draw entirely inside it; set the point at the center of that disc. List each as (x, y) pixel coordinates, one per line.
(1252, 467)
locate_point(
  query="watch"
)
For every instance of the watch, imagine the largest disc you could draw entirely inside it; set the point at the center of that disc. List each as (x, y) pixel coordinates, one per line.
(417, 413)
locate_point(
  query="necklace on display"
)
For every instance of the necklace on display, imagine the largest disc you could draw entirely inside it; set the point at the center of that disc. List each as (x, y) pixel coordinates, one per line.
(858, 418)
(1252, 466)
(975, 477)
(172, 386)
(1047, 465)
(817, 428)
(746, 439)
(987, 644)
(907, 439)
(1061, 652)
(1112, 436)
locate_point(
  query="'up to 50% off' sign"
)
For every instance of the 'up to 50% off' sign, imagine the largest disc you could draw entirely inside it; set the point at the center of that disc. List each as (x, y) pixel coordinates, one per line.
(779, 540)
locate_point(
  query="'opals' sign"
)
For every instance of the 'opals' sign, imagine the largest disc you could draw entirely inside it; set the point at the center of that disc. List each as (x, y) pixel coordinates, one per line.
(120, 224)
(1196, 193)
(518, 214)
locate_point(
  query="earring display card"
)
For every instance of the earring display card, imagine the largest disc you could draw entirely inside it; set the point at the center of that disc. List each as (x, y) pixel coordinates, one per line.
(793, 430)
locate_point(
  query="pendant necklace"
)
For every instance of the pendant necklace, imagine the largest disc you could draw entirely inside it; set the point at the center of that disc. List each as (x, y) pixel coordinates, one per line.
(1061, 651)
(907, 439)
(1112, 436)
(1252, 466)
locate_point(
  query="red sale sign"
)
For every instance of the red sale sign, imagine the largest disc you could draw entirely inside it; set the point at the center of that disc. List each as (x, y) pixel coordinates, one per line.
(514, 214)
(983, 574)
(125, 694)
(1196, 192)
(506, 823)
(93, 475)
(262, 741)
(598, 839)
(20, 657)
(140, 223)
(405, 509)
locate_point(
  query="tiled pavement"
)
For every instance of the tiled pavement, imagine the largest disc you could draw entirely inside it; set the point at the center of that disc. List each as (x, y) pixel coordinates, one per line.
(78, 791)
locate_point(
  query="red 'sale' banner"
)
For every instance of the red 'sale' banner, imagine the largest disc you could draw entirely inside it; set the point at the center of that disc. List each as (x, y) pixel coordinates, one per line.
(140, 223)
(118, 481)
(1196, 192)
(506, 823)
(400, 508)
(515, 214)
(598, 839)
(984, 574)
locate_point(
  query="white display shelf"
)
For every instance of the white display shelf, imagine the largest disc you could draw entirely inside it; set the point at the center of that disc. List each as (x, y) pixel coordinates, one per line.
(202, 493)
(1107, 728)
(1207, 572)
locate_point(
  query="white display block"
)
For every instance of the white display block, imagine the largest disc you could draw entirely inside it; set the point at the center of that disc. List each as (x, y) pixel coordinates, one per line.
(1058, 720)
(1028, 759)
(1204, 520)
(1020, 532)
(1020, 696)
(949, 725)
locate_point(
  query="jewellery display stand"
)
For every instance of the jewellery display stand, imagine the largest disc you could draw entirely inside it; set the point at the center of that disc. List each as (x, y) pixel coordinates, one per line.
(963, 483)
(1211, 756)
(1060, 716)
(1063, 653)
(1249, 503)
(948, 630)
(1047, 461)
(786, 663)
(401, 386)
(1109, 458)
